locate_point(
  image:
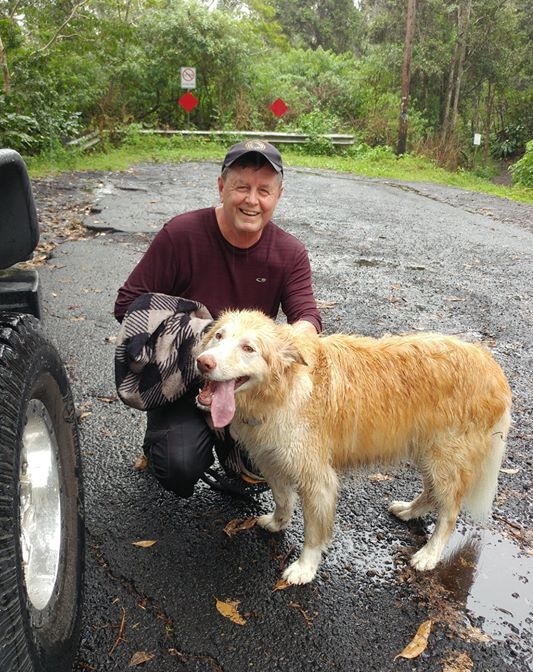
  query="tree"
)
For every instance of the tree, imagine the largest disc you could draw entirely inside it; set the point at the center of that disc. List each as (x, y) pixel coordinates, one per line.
(406, 75)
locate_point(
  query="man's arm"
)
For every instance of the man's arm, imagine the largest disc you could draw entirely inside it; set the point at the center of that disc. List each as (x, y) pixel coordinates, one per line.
(298, 301)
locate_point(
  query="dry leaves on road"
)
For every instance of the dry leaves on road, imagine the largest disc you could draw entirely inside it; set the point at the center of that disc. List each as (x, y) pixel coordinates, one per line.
(419, 642)
(229, 609)
(144, 544)
(139, 658)
(378, 477)
(141, 463)
(458, 662)
(237, 525)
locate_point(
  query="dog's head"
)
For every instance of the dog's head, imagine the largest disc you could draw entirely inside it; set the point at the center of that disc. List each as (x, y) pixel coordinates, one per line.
(243, 350)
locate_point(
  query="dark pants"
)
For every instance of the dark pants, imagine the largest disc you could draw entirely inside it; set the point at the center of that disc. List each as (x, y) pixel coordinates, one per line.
(179, 445)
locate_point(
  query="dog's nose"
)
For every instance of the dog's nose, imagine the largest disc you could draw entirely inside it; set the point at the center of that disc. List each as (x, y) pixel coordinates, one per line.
(206, 363)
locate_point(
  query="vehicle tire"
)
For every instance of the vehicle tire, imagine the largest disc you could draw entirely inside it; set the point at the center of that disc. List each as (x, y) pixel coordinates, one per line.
(41, 504)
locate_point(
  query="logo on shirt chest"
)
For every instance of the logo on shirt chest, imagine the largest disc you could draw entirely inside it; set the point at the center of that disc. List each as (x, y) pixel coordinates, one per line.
(261, 280)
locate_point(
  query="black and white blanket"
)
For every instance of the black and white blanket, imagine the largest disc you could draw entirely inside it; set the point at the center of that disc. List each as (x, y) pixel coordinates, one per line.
(154, 364)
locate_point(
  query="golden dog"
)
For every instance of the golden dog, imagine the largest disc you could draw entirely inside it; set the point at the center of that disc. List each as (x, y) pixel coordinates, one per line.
(308, 407)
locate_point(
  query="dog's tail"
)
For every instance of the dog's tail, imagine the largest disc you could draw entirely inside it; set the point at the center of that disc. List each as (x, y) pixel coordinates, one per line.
(479, 501)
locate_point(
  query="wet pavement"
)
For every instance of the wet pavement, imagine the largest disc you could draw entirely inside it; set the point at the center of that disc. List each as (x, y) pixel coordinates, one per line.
(387, 258)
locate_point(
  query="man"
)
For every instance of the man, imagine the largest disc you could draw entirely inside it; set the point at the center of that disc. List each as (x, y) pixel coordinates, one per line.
(229, 256)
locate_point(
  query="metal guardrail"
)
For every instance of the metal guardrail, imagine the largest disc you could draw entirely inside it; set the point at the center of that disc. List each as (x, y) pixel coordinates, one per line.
(86, 141)
(92, 139)
(269, 136)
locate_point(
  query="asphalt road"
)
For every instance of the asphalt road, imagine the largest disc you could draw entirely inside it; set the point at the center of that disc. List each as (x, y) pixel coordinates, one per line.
(387, 258)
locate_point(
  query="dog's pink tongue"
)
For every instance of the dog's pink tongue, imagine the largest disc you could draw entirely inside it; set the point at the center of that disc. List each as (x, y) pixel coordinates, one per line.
(223, 403)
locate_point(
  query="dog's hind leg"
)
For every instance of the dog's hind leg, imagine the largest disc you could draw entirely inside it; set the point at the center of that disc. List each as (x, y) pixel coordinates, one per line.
(319, 501)
(285, 499)
(430, 554)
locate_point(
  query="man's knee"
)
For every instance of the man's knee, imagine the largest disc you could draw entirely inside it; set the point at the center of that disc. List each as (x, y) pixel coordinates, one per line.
(177, 461)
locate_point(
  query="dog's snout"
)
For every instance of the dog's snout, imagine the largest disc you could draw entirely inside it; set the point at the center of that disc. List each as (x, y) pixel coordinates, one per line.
(206, 363)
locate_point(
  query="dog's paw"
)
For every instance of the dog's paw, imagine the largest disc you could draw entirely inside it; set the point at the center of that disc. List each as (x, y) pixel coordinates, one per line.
(401, 510)
(424, 560)
(271, 523)
(299, 573)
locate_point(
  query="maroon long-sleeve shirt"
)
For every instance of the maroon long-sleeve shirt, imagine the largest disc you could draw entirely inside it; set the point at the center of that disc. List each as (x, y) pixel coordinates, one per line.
(189, 257)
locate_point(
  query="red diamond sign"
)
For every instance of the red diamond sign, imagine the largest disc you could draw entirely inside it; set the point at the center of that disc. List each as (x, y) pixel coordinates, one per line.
(188, 101)
(278, 107)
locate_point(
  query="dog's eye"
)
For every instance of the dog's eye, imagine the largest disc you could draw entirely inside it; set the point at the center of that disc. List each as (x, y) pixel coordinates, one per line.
(218, 336)
(247, 348)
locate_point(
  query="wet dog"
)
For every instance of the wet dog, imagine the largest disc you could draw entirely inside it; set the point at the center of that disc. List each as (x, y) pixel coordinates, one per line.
(307, 408)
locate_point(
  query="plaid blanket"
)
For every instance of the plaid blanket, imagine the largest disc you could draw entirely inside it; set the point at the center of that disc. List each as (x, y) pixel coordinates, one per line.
(153, 355)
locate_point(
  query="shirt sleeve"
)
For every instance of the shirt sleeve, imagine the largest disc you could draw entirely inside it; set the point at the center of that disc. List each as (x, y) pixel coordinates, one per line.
(298, 301)
(155, 272)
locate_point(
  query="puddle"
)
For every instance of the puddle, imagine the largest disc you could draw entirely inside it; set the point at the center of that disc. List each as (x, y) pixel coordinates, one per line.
(493, 578)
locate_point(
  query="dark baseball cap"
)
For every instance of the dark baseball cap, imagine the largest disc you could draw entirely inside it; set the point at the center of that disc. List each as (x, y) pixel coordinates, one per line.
(262, 147)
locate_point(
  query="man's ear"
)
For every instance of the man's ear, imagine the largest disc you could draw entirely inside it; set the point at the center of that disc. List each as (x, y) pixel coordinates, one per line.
(220, 186)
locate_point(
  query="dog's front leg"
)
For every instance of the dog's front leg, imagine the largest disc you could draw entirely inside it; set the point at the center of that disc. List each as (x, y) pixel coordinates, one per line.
(319, 501)
(285, 498)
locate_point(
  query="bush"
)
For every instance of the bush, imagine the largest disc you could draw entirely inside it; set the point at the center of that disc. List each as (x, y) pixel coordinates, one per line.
(522, 170)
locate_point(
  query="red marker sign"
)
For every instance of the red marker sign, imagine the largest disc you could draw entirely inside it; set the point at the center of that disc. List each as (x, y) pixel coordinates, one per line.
(278, 107)
(188, 101)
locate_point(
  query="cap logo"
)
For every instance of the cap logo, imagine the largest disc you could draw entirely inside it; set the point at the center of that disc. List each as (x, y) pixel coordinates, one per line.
(255, 145)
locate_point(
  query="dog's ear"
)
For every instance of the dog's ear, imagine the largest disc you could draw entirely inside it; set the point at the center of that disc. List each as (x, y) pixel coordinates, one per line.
(289, 350)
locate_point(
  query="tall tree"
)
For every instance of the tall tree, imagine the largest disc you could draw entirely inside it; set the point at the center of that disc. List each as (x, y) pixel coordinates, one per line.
(406, 75)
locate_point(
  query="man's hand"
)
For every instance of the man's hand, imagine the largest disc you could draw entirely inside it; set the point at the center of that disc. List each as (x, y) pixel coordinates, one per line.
(304, 327)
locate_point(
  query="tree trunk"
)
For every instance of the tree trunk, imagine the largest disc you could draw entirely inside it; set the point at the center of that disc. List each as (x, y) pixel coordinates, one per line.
(464, 10)
(5, 69)
(406, 76)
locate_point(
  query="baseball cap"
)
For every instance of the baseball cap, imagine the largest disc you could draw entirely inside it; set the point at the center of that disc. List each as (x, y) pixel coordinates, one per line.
(262, 147)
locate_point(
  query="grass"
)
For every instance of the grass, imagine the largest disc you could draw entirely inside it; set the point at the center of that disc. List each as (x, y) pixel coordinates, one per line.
(364, 161)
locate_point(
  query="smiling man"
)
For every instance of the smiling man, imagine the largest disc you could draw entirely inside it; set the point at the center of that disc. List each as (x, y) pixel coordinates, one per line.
(228, 256)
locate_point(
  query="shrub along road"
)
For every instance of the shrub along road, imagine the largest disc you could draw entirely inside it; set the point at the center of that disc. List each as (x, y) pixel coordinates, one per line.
(387, 257)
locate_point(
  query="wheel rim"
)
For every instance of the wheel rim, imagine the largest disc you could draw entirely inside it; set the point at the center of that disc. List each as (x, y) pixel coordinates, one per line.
(40, 505)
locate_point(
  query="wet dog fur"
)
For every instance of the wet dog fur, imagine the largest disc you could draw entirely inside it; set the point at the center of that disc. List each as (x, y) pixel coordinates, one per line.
(308, 408)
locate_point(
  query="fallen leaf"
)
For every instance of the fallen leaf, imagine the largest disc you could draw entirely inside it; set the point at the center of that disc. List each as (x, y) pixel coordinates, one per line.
(281, 584)
(509, 471)
(377, 478)
(326, 304)
(108, 400)
(139, 658)
(308, 620)
(229, 610)
(144, 544)
(458, 662)
(419, 642)
(141, 463)
(476, 635)
(237, 525)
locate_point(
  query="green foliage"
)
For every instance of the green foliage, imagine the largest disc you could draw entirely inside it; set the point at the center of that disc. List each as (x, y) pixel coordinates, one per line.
(522, 170)
(508, 141)
(337, 64)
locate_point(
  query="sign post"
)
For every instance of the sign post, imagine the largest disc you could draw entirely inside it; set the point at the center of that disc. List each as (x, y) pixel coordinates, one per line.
(188, 81)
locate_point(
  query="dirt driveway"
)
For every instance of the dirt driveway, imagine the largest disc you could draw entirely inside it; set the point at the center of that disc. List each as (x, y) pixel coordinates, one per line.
(387, 257)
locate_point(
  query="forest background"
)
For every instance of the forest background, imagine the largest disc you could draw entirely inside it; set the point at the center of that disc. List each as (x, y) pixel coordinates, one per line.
(72, 66)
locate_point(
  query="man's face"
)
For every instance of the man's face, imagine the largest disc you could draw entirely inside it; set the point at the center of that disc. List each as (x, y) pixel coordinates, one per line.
(249, 197)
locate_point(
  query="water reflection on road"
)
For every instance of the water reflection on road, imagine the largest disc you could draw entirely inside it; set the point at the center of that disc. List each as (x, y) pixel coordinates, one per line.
(493, 578)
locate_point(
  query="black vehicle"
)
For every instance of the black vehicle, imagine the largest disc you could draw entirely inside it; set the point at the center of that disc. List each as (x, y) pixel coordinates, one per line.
(41, 496)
